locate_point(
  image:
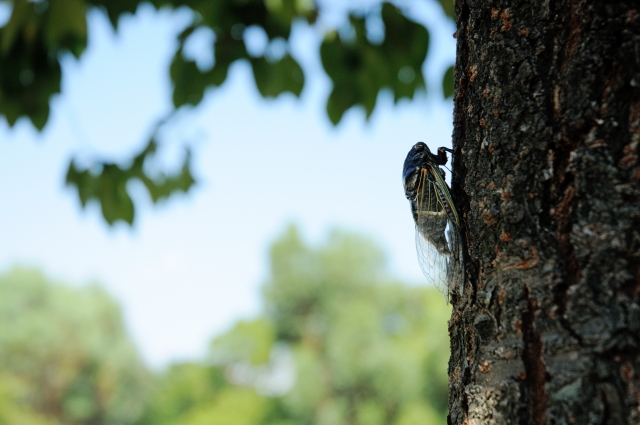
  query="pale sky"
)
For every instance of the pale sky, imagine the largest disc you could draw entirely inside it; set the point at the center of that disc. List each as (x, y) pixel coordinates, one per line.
(192, 266)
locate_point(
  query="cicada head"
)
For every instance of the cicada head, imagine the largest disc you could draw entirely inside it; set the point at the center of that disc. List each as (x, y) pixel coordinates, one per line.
(417, 158)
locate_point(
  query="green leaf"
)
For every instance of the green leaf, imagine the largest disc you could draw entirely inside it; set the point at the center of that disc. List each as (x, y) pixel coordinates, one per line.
(275, 78)
(190, 83)
(162, 186)
(66, 26)
(29, 76)
(108, 186)
(116, 8)
(360, 69)
(339, 101)
(111, 192)
(449, 8)
(40, 118)
(447, 83)
(23, 12)
(406, 45)
(286, 11)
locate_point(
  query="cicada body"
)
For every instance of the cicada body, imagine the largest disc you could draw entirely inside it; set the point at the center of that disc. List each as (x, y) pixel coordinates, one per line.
(438, 239)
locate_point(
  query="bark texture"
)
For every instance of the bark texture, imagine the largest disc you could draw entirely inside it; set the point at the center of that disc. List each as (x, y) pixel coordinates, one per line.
(546, 133)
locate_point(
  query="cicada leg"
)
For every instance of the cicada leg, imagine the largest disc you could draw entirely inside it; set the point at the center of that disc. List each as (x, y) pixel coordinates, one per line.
(442, 155)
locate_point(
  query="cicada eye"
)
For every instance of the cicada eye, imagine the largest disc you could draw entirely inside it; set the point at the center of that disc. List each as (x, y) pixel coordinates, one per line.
(418, 147)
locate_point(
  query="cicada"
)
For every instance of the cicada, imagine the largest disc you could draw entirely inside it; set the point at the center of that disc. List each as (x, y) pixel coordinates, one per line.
(438, 239)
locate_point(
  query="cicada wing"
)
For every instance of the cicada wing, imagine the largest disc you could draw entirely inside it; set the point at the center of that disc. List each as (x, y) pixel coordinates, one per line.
(432, 263)
(438, 240)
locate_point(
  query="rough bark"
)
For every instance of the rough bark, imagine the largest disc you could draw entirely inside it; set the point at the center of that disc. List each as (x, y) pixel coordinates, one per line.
(547, 179)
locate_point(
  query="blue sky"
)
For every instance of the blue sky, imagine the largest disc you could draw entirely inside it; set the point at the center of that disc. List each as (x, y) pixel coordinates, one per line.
(191, 266)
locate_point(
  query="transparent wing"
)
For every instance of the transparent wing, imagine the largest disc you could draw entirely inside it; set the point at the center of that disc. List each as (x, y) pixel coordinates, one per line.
(432, 263)
(438, 240)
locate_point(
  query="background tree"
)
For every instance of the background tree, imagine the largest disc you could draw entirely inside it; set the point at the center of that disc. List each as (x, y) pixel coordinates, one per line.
(340, 343)
(65, 357)
(547, 119)
(368, 349)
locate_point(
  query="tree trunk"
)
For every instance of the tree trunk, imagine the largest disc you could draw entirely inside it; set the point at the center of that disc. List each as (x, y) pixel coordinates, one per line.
(546, 178)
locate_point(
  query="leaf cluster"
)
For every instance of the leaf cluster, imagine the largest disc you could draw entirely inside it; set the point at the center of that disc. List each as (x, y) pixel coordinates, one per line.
(360, 68)
(30, 43)
(108, 186)
(39, 33)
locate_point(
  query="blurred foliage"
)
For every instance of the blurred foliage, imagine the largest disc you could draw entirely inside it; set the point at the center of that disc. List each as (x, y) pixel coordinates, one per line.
(340, 342)
(449, 8)
(65, 357)
(372, 347)
(39, 33)
(360, 68)
(181, 390)
(109, 185)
